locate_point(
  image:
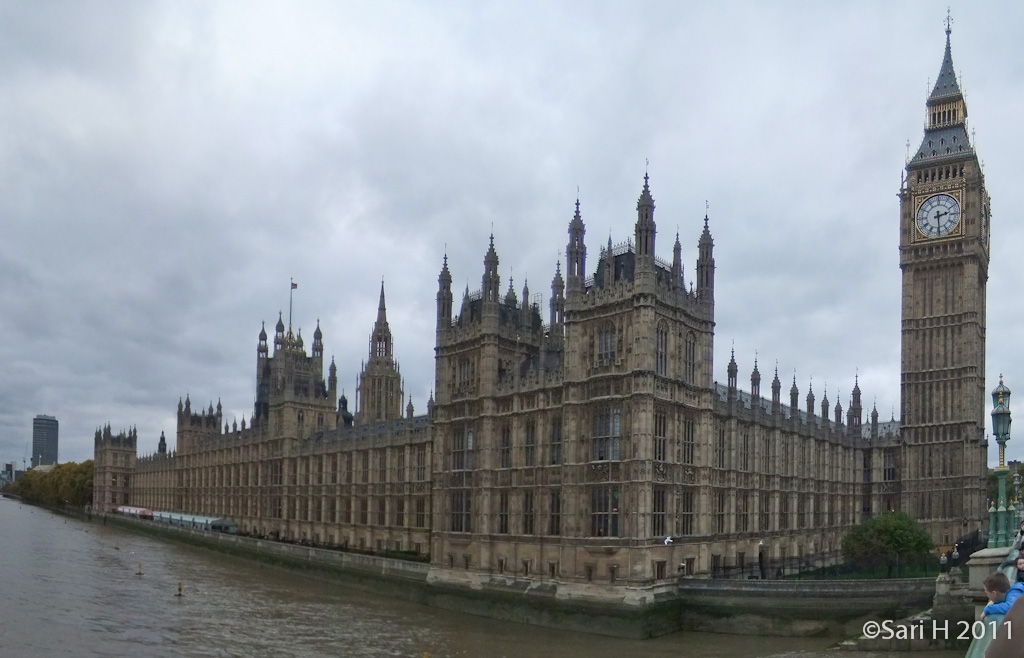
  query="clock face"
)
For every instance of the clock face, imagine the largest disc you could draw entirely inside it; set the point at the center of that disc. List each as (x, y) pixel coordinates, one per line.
(938, 216)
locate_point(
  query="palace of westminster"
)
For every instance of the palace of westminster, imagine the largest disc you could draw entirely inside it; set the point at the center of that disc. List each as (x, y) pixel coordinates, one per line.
(596, 446)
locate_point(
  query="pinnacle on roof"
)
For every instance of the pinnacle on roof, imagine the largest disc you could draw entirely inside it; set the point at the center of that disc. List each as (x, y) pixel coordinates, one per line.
(445, 276)
(577, 220)
(645, 200)
(705, 236)
(946, 85)
(382, 312)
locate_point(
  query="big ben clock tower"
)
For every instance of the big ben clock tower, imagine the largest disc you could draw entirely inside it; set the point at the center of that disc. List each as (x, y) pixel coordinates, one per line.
(944, 253)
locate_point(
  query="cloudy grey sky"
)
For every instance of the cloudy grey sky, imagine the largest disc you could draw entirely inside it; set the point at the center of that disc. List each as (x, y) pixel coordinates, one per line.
(166, 167)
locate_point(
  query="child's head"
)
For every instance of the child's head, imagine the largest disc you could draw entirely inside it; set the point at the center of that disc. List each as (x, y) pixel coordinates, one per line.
(996, 586)
(1020, 563)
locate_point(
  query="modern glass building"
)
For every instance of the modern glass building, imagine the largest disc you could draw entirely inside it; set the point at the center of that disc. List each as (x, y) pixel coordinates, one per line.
(44, 440)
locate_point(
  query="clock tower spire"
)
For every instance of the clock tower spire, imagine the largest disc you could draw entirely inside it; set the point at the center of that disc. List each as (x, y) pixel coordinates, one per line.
(944, 254)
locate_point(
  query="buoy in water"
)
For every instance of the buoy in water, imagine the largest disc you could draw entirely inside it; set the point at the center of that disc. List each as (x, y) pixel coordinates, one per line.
(139, 572)
(179, 590)
(116, 547)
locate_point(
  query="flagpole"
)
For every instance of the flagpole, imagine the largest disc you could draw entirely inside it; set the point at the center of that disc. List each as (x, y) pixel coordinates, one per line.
(291, 288)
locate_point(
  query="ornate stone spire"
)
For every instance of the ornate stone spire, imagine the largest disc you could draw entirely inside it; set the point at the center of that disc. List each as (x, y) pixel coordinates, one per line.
(576, 252)
(946, 86)
(491, 279)
(645, 229)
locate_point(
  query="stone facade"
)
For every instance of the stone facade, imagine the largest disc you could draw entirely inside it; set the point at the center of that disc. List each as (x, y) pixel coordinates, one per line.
(944, 253)
(596, 446)
(114, 469)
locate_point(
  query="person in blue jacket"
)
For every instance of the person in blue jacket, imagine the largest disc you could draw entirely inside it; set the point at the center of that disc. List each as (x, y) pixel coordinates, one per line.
(1000, 594)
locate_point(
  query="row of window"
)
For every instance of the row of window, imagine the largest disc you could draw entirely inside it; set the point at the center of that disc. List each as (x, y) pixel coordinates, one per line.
(355, 511)
(944, 116)
(317, 471)
(796, 511)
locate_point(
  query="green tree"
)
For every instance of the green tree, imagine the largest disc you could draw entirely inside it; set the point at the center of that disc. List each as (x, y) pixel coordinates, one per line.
(64, 484)
(889, 540)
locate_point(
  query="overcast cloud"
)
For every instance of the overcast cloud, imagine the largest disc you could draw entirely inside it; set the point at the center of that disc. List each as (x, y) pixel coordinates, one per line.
(165, 168)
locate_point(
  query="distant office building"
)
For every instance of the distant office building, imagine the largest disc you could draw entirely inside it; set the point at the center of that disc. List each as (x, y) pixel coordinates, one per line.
(44, 440)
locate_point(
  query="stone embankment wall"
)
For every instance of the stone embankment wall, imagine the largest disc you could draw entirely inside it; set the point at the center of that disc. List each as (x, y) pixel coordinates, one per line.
(785, 607)
(799, 607)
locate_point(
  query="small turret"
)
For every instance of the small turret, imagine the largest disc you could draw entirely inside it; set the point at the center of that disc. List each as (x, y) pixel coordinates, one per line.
(557, 303)
(344, 415)
(645, 229)
(677, 265)
(332, 379)
(576, 253)
(318, 342)
(706, 264)
(510, 296)
(491, 279)
(526, 303)
(794, 399)
(608, 275)
(755, 382)
(855, 415)
(824, 408)
(733, 371)
(444, 296)
(776, 392)
(279, 333)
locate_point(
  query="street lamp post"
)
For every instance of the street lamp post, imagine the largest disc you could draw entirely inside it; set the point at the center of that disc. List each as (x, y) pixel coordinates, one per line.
(999, 515)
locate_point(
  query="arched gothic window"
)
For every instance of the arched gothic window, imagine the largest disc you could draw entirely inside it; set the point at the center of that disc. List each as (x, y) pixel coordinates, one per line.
(607, 433)
(606, 344)
(661, 347)
(690, 358)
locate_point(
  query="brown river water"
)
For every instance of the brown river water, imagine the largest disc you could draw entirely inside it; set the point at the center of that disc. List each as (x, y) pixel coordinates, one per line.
(69, 587)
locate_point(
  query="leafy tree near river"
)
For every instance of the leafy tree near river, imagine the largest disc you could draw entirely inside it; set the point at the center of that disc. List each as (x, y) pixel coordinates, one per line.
(64, 484)
(890, 540)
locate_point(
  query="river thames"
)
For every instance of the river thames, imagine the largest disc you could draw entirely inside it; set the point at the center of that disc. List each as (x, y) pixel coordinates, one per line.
(70, 588)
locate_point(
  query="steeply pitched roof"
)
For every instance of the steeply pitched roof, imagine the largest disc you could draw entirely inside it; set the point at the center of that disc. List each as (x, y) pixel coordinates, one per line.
(946, 85)
(945, 142)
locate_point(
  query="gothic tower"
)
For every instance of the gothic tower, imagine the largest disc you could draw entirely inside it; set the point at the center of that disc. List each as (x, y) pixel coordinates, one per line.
(380, 384)
(944, 254)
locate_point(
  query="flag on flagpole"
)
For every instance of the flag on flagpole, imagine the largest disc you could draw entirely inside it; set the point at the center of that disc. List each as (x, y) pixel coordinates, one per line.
(294, 285)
